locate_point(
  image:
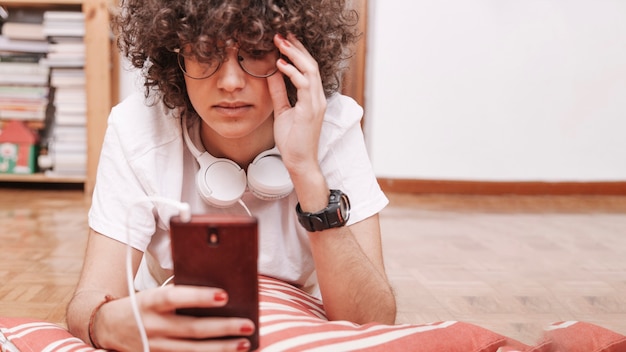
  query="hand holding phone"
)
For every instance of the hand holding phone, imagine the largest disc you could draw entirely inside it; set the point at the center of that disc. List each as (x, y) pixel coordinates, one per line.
(218, 250)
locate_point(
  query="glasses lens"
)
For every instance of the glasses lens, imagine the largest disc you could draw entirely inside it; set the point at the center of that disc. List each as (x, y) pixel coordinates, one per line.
(195, 68)
(259, 63)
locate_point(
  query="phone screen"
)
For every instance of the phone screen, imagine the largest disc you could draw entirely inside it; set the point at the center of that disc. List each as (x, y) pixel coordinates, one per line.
(219, 251)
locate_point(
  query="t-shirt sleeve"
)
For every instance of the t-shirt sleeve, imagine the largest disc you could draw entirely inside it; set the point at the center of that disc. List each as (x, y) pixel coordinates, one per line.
(120, 208)
(345, 161)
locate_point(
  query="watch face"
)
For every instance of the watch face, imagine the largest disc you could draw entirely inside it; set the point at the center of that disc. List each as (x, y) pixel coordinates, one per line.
(344, 207)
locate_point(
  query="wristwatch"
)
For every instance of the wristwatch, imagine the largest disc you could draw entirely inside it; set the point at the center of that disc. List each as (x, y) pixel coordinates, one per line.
(336, 214)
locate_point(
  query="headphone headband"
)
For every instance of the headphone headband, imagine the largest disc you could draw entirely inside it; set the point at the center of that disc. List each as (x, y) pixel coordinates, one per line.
(221, 182)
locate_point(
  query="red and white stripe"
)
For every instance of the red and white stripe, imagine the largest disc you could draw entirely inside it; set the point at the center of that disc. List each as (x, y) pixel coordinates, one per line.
(291, 320)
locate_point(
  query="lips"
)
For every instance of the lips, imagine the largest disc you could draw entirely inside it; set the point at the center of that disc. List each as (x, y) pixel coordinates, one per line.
(232, 105)
(232, 108)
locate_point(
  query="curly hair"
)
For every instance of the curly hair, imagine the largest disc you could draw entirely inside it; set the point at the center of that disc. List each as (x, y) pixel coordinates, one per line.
(148, 31)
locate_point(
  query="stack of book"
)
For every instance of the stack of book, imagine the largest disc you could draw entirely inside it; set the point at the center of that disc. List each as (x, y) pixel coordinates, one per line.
(66, 58)
(24, 79)
(65, 31)
(28, 103)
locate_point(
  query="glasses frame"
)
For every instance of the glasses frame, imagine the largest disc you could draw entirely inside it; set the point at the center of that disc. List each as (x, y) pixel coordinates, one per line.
(180, 56)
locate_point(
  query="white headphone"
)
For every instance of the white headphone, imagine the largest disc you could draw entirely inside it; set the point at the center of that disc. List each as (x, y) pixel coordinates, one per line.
(221, 182)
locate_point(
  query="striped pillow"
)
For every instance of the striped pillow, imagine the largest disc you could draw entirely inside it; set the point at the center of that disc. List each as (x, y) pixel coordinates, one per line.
(578, 336)
(291, 320)
(21, 334)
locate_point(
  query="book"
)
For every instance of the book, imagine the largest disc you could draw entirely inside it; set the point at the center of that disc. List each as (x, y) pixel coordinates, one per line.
(26, 46)
(64, 23)
(62, 46)
(57, 61)
(69, 119)
(70, 94)
(24, 79)
(23, 113)
(66, 31)
(63, 16)
(62, 39)
(66, 77)
(72, 108)
(62, 147)
(6, 56)
(24, 92)
(23, 68)
(68, 149)
(67, 163)
(7, 102)
(75, 133)
(26, 31)
(64, 52)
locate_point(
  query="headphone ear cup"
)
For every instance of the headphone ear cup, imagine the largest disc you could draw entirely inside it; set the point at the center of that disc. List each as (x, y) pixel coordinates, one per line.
(220, 182)
(268, 177)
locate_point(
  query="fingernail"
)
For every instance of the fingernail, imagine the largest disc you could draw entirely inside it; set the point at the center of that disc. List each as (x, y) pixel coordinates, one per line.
(284, 41)
(243, 345)
(220, 296)
(246, 329)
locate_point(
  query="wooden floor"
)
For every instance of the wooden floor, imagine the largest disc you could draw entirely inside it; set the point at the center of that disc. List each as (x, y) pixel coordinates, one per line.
(511, 264)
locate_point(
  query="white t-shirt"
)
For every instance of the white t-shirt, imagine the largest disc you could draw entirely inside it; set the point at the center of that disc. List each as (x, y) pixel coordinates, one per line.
(144, 155)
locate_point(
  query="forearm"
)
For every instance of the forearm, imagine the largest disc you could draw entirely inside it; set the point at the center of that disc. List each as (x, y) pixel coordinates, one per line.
(352, 278)
(103, 275)
(79, 312)
(352, 287)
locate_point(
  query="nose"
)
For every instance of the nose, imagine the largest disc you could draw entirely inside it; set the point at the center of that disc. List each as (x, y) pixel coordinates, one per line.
(231, 76)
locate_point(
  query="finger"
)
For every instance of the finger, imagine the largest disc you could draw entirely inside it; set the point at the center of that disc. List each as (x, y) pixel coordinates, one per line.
(294, 50)
(278, 93)
(304, 65)
(168, 345)
(171, 297)
(191, 327)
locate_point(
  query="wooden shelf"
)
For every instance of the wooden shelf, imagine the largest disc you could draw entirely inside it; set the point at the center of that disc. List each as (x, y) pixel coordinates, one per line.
(40, 178)
(99, 66)
(41, 3)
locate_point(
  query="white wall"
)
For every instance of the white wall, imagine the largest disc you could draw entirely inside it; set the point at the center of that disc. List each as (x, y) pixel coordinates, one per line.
(505, 90)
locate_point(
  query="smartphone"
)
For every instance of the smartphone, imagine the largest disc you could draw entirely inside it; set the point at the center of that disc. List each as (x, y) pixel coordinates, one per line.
(219, 250)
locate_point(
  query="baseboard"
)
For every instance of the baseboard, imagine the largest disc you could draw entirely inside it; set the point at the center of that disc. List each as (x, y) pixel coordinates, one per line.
(419, 186)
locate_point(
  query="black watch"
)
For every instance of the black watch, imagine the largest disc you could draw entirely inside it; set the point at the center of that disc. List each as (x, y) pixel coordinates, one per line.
(336, 214)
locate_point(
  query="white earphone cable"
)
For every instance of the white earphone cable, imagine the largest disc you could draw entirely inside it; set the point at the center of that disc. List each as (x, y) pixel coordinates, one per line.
(244, 207)
(185, 215)
(241, 202)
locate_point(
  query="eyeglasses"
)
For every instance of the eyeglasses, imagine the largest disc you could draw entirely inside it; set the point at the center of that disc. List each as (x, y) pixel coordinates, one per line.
(256, 63)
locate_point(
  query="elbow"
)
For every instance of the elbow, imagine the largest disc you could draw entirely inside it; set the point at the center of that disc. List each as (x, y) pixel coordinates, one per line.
(383, 310)
(70, 319)
(387, 311)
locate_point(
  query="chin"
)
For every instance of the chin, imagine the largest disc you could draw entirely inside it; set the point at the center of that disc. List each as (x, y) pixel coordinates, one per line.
(235, 133)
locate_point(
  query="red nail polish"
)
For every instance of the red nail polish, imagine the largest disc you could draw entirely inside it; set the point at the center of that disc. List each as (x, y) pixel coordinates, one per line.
(243, 345)
(246, 329)
(284, 41)
(220, 296)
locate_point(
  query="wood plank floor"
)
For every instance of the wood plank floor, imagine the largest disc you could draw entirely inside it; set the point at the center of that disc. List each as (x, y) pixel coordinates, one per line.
(511, 264)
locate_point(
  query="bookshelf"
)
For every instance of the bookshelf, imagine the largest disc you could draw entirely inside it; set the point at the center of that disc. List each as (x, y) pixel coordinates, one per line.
(100, 86)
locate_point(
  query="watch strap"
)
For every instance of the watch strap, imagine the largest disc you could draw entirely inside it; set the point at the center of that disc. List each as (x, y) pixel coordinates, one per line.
(327, 218)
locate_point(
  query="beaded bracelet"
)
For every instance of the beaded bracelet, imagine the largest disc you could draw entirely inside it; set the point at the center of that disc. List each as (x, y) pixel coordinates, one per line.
(92, 318)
